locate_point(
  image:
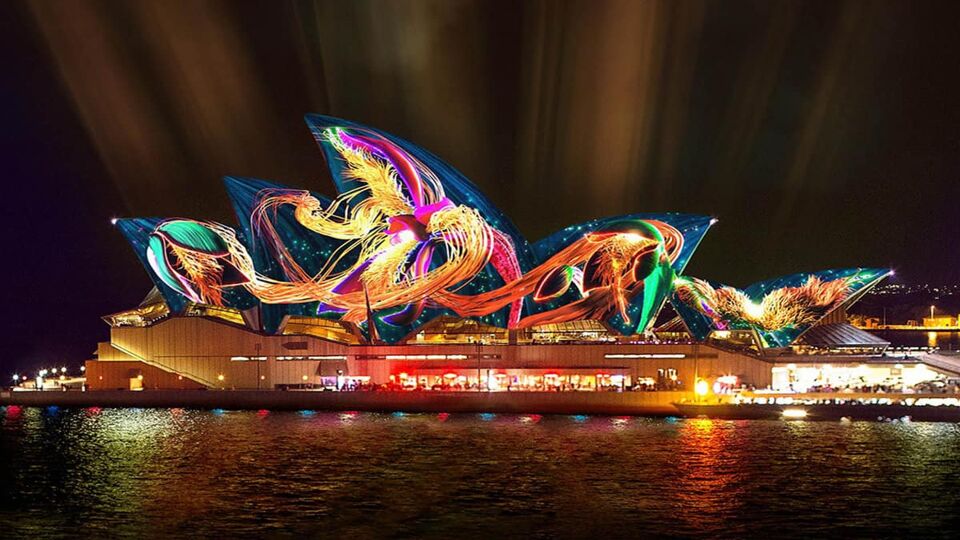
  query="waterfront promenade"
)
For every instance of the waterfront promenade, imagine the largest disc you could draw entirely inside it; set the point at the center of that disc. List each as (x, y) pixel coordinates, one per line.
(816, 406)
(608, 403)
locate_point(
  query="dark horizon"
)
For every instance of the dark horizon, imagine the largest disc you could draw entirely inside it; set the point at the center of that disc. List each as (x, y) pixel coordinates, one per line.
(821, 135)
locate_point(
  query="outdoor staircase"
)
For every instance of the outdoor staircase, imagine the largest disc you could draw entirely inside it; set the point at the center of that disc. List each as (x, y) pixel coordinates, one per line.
(161, 367)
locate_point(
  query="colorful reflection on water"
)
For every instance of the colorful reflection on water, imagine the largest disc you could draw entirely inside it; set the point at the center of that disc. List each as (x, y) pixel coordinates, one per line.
(139, 472)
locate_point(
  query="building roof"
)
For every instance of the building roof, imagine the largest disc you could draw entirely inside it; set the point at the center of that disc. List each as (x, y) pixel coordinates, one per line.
(410, 239)
(296, 252)
(840, 336)
(779, 310)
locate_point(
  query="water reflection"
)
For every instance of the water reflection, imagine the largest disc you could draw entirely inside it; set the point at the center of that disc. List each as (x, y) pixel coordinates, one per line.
(919, 338)
(710, 475)
(179, 472)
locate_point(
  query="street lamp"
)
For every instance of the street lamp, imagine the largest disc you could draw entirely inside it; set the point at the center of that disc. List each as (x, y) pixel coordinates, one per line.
(931, 315)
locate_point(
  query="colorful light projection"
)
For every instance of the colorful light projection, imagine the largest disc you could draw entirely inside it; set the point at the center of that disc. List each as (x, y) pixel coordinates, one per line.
(409, 239)
(778, 310)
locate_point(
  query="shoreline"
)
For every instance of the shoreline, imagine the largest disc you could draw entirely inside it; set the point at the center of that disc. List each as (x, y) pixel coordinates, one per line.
(822, 411)
(601, 403)
(652, 404)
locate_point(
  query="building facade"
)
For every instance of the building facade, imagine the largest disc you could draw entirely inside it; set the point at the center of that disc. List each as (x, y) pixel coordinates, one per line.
(410, 278)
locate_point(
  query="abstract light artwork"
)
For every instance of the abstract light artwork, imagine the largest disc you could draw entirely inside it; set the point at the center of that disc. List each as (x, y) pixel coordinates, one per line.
(778, 310)
(408, 239)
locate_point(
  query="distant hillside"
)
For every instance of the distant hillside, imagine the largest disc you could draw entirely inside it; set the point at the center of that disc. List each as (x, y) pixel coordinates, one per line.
(903, 303)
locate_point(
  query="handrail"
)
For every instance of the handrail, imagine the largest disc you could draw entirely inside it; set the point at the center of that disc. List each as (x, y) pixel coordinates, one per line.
(162, 367)
(940, 361)
(800, 397)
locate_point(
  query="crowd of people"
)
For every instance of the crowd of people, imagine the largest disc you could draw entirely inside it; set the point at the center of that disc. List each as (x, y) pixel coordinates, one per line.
(927, 387)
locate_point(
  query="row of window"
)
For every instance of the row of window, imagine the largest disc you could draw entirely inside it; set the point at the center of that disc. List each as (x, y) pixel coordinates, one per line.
(285, 358)
(437, 357)
(424, 356)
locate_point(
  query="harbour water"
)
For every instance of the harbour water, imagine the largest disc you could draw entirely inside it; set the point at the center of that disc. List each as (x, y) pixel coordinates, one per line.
(178, 473)
(948, 341)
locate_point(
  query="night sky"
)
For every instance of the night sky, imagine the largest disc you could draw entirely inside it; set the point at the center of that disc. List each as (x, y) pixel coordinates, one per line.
(821, 134)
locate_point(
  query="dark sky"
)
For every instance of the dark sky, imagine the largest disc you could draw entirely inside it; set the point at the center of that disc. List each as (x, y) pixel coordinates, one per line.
(822, 134)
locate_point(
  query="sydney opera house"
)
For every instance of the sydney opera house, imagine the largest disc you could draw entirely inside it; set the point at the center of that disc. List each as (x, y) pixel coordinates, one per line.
(410, 278)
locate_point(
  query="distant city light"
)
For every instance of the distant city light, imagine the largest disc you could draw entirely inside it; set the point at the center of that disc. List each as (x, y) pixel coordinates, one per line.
(794, 413)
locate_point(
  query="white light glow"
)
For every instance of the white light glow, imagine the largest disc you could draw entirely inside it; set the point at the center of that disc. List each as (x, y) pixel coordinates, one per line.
(753, 310)
(406, 235)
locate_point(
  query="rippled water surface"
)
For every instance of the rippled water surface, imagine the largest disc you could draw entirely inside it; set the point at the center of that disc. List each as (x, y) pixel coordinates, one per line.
(163, 473)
